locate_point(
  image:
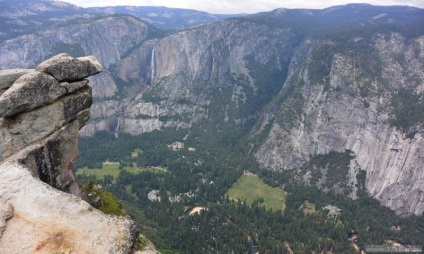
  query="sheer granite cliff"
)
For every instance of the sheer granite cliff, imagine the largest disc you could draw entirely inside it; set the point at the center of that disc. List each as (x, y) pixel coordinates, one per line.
(187, 72)
(42, 206)
(352, 108)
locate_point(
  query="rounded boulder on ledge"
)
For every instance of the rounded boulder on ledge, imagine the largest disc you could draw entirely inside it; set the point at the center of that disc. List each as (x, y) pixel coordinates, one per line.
(64, 67)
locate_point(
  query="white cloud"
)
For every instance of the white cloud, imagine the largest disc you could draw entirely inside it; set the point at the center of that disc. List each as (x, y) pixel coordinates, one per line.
(241, 6)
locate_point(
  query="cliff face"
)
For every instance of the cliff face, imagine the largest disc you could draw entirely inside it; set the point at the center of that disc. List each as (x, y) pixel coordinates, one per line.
(352, 109)
(43, 210)
(189, 70)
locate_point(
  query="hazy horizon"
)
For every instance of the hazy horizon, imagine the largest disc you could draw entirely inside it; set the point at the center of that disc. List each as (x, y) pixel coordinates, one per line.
(240, 6)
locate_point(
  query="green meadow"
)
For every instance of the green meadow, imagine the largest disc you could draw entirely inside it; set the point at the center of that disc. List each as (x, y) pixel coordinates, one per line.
(113, 169)
(251, 188)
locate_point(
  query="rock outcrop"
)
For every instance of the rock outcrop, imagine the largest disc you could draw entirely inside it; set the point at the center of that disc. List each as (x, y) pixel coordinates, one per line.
(352, 110)
(63, 67)
(42, 205)
(45, 220)
(8, 77)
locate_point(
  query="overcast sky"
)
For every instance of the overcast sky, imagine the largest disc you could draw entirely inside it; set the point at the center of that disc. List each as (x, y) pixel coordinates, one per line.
(241, 6)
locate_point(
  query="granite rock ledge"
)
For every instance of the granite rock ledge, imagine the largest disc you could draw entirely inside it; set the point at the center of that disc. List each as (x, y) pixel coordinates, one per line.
(42, 207)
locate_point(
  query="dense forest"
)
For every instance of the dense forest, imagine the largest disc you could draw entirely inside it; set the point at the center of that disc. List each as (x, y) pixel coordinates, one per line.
(202, 179)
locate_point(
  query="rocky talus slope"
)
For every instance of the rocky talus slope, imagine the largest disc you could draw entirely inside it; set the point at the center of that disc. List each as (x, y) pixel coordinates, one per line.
(42, 206)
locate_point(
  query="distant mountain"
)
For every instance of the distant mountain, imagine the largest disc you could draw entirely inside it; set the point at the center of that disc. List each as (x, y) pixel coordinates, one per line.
(340, 17)
(163, 17)
(28, 16)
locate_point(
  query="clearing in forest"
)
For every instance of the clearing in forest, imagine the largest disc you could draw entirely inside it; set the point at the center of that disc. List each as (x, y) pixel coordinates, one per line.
(113, 169)
(251, 188)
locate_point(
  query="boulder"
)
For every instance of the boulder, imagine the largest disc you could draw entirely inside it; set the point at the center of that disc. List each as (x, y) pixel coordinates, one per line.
(66, 68)
(74, 86)
(30, 91)
(8, 77)
(24, 129)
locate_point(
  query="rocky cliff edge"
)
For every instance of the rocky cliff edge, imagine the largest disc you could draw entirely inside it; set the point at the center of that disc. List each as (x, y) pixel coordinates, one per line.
(42, 207)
